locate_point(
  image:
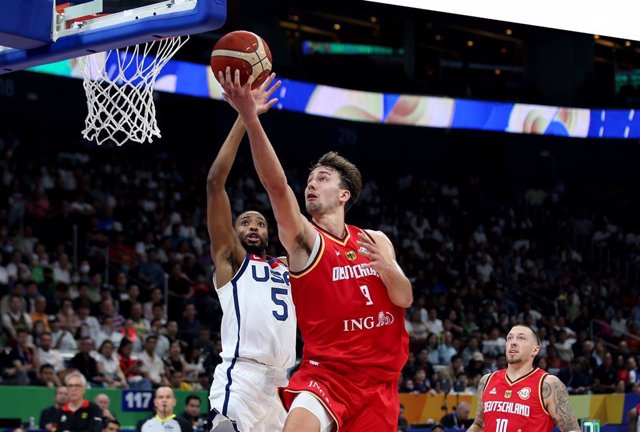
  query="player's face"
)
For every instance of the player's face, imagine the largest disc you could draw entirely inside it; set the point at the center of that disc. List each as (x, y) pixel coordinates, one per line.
(251, 228)
(323, 192)
(521, 345)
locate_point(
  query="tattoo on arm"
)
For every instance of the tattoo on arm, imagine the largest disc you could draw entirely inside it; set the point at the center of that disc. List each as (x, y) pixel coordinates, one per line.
(563, 413)
(478, 422)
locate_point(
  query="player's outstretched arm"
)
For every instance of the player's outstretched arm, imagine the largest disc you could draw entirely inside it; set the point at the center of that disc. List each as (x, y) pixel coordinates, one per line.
(383, 260)
(478, 422)
(556, 399)
(225, 245)
(295, 231)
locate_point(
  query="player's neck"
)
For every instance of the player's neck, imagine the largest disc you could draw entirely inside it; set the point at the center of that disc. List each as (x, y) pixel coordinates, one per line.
(518, 370)
(333, 223)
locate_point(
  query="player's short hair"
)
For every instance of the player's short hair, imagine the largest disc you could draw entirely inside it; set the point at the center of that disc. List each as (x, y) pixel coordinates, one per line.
(350, 176)
(535, 333)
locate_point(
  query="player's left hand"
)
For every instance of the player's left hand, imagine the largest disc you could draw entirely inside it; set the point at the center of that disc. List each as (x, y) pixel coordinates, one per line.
(379, 262)
(262, 94)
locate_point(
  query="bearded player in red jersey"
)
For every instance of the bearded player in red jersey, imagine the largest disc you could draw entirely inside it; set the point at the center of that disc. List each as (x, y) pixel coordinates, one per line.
(348, 289)
(522, 398)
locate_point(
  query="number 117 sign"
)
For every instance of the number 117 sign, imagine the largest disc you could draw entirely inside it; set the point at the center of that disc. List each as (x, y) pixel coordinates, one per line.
(136, 400)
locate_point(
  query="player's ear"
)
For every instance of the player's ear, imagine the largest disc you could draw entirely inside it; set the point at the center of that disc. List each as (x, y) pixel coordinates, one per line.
(345, 195)
(536, 350)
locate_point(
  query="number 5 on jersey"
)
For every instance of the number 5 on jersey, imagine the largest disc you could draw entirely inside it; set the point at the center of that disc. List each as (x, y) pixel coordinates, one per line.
(275, 292)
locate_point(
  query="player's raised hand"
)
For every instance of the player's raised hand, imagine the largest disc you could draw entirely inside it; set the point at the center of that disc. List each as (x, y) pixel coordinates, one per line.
(239, 96)
(263, 94)
(380, 262)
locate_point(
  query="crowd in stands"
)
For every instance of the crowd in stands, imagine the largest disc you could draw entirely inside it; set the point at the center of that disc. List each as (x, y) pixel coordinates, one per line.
(105, 269)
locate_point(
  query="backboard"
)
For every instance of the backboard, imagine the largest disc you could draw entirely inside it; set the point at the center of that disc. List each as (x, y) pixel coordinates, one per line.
(35, 32)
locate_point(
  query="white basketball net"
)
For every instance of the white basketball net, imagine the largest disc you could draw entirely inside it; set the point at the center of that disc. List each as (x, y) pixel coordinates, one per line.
(119, 87)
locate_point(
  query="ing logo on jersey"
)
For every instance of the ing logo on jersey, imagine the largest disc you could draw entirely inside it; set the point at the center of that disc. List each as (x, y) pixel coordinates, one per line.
(507, 394)
(351, 255)
(524, 393)
(493, 391)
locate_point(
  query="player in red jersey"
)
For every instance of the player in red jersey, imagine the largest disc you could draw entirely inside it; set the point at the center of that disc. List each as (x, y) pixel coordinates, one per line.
(348, 289)
(522, 398)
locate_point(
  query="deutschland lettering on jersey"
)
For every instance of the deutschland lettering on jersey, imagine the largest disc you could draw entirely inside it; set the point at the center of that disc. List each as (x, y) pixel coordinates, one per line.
(515, 406)
(345, 314)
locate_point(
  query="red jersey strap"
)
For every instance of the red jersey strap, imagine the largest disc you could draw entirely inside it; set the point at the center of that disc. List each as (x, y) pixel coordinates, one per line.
(316, 259)
(365, 232)
(541, 383)
(486, 385)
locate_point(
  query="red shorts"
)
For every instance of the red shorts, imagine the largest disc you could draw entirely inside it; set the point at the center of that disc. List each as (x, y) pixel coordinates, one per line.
(357, 404)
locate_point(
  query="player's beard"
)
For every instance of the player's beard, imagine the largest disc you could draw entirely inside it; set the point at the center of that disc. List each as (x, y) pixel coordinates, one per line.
(255, 248)
(515, 360)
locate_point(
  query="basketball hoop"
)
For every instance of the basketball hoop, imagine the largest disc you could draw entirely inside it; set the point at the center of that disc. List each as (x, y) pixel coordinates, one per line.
(119, 87)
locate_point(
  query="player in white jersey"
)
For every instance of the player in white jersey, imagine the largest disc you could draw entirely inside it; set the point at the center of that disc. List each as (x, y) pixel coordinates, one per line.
(259, 321)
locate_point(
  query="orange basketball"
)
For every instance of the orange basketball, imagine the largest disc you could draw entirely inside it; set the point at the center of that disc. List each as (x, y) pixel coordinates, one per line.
(245, 51)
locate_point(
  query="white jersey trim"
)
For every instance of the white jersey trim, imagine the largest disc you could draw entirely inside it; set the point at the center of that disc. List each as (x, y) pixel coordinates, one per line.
(313, 254)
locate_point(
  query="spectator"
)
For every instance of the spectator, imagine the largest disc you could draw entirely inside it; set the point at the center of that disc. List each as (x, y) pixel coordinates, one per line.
(103, 402)
(78, 414)
(403, 423)
(191, 411)
(446, 350)
(433, 323)
(155, 299)
(152, 365)
(67, 317)
(604, 377)
(48, 355)
(189, 324)
(49, 415)
(88, 326)
(84, 363)
(47, 377)
(459, 418)
(109, 366)
(576, 380)
(16, 318)
(61, 339)
(177, 382)
(40, 312)
(111, 426)
(25, 356)
(162, 344)
(132, 369)
(108, 332)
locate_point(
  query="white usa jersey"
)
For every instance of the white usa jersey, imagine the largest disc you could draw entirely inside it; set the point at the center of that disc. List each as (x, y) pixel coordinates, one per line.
(259, 318)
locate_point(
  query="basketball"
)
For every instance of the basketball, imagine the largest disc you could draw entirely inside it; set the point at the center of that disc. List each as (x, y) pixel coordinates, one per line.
(245, 51)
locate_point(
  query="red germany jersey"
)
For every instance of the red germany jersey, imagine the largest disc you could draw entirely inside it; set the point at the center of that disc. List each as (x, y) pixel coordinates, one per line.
(515, 406)
(347, 320)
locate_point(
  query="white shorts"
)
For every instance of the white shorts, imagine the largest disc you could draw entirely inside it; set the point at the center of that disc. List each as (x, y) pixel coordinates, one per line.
(247, 394)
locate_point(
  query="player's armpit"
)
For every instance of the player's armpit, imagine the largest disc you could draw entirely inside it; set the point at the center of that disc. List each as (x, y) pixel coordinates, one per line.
(556, 399)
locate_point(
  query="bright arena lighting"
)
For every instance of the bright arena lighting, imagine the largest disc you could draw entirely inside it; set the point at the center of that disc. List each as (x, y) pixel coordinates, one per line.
(614, 18)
